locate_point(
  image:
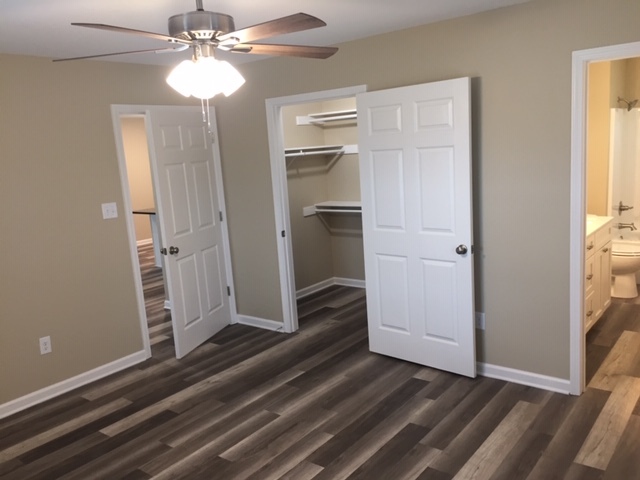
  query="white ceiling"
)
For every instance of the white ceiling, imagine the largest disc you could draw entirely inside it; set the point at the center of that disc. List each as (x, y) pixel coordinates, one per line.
(42, 27)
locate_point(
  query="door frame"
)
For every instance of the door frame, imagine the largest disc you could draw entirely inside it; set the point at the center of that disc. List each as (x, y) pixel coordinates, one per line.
(281, 193)
(117, 112)
(580, 63)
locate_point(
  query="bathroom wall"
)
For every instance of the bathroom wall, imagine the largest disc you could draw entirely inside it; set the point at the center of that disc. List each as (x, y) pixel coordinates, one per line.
(625, 161)
(598, 105)
(607, 82)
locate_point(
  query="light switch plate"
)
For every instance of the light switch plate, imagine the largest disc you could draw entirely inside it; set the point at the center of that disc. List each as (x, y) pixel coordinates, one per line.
(109, 210)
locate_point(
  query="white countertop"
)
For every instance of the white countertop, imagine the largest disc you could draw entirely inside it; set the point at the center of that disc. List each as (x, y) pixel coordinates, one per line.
(596, 222)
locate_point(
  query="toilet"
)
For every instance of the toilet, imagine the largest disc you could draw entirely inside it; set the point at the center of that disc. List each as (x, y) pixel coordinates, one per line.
(625, 262)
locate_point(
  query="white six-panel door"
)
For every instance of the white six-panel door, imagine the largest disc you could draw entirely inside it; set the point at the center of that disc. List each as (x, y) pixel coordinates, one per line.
(187, 201)
(415, 169)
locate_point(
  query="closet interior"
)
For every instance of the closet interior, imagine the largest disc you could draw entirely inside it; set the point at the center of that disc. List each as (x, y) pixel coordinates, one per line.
(323, 184)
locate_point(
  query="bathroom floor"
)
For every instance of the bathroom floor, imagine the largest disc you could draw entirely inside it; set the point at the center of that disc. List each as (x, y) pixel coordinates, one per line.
(613, 345)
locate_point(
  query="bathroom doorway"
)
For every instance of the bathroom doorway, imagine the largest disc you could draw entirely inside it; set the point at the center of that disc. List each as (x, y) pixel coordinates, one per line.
(590, 193)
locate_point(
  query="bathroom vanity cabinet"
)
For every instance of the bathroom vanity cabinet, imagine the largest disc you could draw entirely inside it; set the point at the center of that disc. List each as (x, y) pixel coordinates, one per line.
(597, 269)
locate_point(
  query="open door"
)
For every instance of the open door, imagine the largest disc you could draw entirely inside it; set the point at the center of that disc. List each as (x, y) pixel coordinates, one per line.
(190, 217)
(415, 171)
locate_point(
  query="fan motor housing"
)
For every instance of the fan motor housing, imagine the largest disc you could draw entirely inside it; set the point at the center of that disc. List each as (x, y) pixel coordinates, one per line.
(200, 25)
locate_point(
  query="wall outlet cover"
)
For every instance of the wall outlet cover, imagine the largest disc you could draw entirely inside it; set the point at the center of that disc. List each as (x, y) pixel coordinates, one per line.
(45, 345)
(480, 320)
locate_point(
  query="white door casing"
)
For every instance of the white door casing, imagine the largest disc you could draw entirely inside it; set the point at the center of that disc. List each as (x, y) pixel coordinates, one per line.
(184, 174)
(415, 174)
(579, 73)
(280, 191)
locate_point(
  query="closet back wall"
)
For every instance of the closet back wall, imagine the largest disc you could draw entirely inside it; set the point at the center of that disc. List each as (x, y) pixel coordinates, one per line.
(331, 249)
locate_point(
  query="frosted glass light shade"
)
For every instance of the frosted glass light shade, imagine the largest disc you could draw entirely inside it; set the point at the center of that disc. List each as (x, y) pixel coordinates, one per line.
(205, 78)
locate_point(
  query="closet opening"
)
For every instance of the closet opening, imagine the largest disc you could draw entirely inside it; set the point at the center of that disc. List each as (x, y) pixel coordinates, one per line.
(316, 180)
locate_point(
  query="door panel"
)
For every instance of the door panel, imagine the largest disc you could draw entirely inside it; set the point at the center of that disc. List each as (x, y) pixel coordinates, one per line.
(176, 182)
(437, 199)
(415, 168)
(187, 201)
(392, 291)
(215, 286)
(388, 189)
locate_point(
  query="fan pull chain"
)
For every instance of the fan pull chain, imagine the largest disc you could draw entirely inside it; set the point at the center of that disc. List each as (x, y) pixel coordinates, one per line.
(206, 114)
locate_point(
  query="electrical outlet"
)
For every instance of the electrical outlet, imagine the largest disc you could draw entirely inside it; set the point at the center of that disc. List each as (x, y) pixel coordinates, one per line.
(109, 210)
(45, 345)
(480, 320)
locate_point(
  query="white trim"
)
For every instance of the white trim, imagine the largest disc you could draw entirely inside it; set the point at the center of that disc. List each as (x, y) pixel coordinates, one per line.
(280, 194)
(580, 63)
(144, 242)
(217, 165)
(118, 111)
(522, 377)
(39, 396)
(350, 282)
(260, 323)
(329, 282)
(311, 289)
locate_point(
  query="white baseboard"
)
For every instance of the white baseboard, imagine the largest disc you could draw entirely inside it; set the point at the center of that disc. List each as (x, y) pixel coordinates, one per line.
(522, 377)
(31, 399)
(303, 292)
(350, 282)
(346, 282)
(260, 323)
(146, 241)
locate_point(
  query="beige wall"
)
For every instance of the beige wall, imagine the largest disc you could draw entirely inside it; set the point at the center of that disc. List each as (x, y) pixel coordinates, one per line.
(618, 84)
(633, 79)
(520, 61)
(598, 121)
(136, 151)
(66, 272)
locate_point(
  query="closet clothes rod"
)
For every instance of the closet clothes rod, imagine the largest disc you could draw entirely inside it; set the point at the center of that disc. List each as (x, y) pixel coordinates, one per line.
(321, 150)
(321, 119)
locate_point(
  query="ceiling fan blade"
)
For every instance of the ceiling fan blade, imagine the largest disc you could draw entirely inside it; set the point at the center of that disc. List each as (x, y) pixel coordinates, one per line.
(113, 28)
(155, 50)
(292, 23)
(306, 51)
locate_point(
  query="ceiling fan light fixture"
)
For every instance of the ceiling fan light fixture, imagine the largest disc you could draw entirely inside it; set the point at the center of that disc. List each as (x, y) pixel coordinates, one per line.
(179, 78)
(204, 78)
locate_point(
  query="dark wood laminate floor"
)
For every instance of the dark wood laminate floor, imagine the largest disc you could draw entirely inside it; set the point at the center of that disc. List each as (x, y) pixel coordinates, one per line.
(255, 404)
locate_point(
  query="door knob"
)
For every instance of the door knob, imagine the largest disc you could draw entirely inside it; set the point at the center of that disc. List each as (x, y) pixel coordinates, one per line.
(173, 250)
(461, 249)
(163, 251)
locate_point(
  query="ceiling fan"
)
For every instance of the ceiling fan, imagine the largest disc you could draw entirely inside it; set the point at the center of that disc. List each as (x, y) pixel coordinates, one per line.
(206, 31)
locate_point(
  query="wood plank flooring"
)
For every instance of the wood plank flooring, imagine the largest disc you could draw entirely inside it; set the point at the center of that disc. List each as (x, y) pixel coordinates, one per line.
(255, 404)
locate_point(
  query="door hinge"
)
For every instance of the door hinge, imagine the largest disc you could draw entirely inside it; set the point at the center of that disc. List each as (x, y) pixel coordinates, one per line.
(221, 218)
(228, 290)
(283, 234)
